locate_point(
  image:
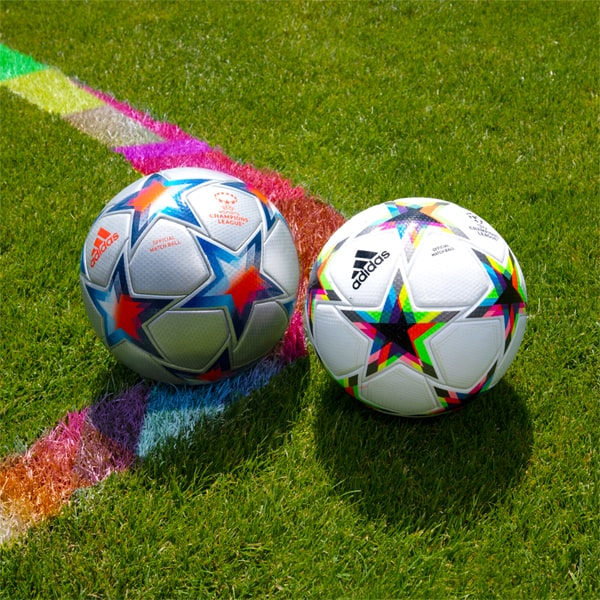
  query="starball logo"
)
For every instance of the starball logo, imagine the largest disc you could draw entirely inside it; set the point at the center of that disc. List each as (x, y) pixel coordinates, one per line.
(103, 240)
(365, 262)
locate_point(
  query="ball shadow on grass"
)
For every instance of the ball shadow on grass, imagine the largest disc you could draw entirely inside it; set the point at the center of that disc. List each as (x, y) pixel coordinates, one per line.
(425, 472)
(244, 434)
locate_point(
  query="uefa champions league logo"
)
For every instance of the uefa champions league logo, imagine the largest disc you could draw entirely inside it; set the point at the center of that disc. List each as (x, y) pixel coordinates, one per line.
(227, 200)
(228, 214)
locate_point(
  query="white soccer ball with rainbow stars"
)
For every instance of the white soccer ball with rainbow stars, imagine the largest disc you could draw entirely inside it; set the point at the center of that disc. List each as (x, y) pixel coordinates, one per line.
(189, 275)
(415, 306)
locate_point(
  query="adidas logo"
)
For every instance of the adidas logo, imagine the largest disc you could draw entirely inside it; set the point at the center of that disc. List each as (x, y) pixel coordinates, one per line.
(365, 262)
(103, 240)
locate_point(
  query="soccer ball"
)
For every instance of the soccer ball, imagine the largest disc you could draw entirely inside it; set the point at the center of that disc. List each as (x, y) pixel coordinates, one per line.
(189, 275)
(415, 306)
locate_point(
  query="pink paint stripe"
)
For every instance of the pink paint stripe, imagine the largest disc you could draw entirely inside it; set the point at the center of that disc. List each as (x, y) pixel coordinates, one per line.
(99, 456)
(294, 342)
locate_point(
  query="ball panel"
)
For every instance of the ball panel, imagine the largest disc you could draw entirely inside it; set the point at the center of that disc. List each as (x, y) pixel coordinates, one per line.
(265, 327)
(339, 344)
(465, 351)
(190, 339)
(521, 285)
(480, 233)
(399, 390)
(445, 273)
(355, 225)
(228, 214)
(143, 363)
(132, 188)
(91, 311)
(167, 261)
(104, 245)
(362, 271)
(517, 337)
(280, 259)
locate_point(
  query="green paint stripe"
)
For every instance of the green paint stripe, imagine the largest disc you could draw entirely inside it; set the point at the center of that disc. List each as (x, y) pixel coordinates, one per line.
(14, 64)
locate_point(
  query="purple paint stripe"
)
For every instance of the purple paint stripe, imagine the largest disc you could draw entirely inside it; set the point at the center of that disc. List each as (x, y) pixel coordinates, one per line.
(151, 164)
(163, 149)
(120, 419)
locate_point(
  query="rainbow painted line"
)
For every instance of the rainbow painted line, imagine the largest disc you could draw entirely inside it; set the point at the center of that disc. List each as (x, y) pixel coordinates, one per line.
(110, 435)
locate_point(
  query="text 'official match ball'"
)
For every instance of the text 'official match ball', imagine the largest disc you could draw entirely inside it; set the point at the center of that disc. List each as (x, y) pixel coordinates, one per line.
(415, 306)
(189, 275)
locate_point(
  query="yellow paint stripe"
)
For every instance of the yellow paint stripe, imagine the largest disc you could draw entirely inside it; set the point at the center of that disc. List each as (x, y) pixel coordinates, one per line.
(52, 91)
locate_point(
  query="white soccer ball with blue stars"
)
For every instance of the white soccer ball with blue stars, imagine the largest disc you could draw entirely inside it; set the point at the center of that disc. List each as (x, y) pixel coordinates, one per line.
(416, 306)
(189, 275)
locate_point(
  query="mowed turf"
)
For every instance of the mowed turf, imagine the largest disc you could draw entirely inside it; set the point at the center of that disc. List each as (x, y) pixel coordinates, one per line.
(298, 491)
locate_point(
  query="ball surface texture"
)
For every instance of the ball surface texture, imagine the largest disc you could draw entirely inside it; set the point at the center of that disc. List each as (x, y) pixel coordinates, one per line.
(415, 306)
(188, 275)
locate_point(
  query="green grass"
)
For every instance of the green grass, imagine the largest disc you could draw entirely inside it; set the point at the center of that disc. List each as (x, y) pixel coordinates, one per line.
(298, 491)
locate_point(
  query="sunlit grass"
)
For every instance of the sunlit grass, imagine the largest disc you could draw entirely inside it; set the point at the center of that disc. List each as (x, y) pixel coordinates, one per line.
(299, 491)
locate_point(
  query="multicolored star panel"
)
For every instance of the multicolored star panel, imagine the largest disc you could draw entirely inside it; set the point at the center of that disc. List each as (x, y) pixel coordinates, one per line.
(157, 198)
(411, 221)
(507, 298)
(451, 399)
(397, 331)
(319, 286)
